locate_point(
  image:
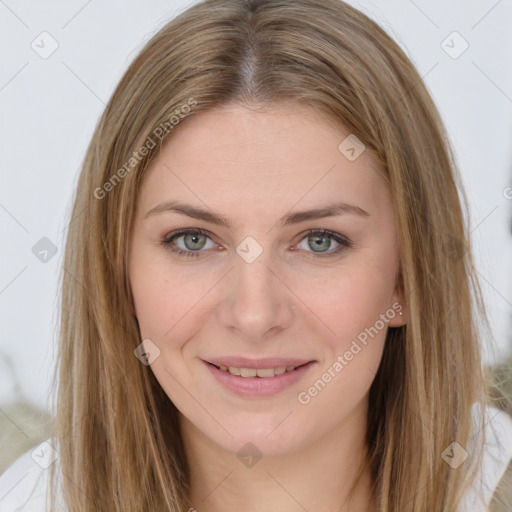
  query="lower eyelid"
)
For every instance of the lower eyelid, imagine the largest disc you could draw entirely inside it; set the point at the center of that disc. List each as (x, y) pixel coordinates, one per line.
(191, 250)
(170, 240)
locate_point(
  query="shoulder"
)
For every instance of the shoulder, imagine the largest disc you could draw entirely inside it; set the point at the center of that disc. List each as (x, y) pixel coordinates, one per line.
(24, 484)
(497, 455)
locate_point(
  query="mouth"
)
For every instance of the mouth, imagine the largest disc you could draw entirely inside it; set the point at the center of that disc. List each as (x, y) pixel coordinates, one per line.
(256, 372)
(258, 379)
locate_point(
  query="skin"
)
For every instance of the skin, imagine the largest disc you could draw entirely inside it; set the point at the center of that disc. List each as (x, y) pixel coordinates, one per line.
(253, 167)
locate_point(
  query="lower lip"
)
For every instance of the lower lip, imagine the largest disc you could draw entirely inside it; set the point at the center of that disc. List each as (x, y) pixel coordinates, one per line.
(259, 386)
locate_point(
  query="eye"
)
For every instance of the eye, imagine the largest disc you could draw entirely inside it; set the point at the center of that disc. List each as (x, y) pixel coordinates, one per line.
(192, 241)
(321, 240)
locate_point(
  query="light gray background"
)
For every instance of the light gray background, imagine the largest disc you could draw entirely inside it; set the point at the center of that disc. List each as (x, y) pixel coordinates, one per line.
(49, 108)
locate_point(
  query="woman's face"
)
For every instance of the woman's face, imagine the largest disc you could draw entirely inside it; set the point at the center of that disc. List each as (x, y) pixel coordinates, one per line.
(254, 283)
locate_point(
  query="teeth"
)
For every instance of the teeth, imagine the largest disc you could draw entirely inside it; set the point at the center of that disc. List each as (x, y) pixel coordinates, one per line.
(248, 372)
(264, 372)
(253, 372)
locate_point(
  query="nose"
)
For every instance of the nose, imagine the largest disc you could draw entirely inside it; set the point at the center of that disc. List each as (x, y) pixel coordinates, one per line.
(256, 303)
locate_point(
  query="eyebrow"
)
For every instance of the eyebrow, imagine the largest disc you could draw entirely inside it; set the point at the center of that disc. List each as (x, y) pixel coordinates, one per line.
(331, 210)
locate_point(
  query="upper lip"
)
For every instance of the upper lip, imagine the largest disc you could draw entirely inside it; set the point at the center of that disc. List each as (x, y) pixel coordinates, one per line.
(268, 362)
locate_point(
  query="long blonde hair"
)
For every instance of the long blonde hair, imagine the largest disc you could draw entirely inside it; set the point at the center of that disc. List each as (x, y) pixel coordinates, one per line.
(119, 440)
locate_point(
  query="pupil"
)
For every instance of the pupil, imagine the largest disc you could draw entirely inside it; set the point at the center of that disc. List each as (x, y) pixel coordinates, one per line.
(192, 239)
(318, 241)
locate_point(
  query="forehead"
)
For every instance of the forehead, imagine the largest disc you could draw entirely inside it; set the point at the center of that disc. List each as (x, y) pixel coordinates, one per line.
(272, 159)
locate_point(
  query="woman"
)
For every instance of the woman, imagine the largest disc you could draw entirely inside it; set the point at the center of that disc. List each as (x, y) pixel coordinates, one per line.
(268, 287)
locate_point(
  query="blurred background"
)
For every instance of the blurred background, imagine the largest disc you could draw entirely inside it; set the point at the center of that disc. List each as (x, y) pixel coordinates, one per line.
(60, 64)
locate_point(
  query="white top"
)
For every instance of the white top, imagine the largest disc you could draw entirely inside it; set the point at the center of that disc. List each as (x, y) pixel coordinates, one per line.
(23, 486)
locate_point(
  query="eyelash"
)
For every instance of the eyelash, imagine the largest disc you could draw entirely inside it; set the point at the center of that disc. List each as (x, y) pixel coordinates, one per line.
(167, 242)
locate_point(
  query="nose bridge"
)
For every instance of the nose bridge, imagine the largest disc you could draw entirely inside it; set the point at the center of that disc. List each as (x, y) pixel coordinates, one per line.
(254, 263)
(257, 300)
(255, 280)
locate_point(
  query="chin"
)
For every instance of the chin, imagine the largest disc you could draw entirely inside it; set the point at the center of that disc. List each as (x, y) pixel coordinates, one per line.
(266, 438)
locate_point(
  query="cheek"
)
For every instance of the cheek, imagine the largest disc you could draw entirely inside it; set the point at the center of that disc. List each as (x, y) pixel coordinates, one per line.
(165, 300)
(348, 300)
(354, 310)
(153, 301)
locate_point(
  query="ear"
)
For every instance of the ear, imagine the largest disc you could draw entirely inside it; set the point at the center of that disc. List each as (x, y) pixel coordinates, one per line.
(397, 310)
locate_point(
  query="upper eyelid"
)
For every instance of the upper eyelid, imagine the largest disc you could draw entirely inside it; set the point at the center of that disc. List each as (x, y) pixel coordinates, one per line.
(182, 232)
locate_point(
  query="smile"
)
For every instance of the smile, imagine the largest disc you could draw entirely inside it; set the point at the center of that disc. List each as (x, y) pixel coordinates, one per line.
(255, 372)
(265, 381)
